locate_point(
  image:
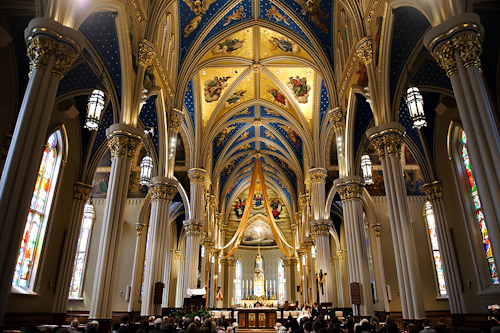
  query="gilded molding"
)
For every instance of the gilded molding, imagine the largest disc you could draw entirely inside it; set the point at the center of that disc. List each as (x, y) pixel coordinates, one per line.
(318, 176)
(364, 51)
(352, 190)
(372, 11)
(320, 230)
(138, 228)
(136, 10)
(197, 176)
(376, 229)
(117, 145)
(340, 254)
(470, 47)
(193, 230)
(445, 58)
(336, 117)
(287, 262)
(177, 255)
(434, 191)
(82, 192)
(176, 118)
(393, 142)
(378, 145)
(41, 48)
(161, 191)
(146, 54)
(231, 261)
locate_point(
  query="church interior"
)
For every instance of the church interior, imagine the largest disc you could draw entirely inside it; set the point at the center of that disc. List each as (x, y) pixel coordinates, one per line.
(252, 155)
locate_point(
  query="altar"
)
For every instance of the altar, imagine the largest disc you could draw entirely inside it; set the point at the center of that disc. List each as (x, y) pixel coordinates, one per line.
(257, 318)
(250, 304)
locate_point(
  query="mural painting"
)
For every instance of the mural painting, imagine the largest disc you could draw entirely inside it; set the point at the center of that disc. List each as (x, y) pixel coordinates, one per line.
(222, 137)
(199, 9)
(414, 182)
(235, 98)
(377, 188)
(149, 80)
(227, 46)
(291, 135)
(363, 76)
(213, 88)
(284, 44)
(299, 87)
(277, 97)
(180, 153)
(235, 16)
(258, 233)
(243, 112)
(274, 13)
(314, 14)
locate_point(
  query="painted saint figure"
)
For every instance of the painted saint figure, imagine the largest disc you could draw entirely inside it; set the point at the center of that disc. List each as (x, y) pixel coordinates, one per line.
(284, 44)
(299, 87)
(227, 46)
(278, 97)
(213, 88)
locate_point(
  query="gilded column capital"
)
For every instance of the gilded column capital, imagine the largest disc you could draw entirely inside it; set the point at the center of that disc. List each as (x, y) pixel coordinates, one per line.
(320, 230)
(146, 53)
(193, 229)
(307, 244)
(350, 190)
(287, 262)
(434, 191)
(364, 50)
(82, 192)
(197, 176)
(470, 48)
(138, 228)
(40, 49)
(376, 229)
(393, 142)
(444, 56)
(209, 244)
(378, 145)
(176, 118)
(336, 117)
(177, 255)
(162, 191)
(340, 254)
(231, 261)
(318, 176)
(118, 144)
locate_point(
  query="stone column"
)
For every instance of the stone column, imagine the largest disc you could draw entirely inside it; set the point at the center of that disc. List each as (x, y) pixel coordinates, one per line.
(205, 264)
(123, 140)
(350, 190)
(302, 274)
(137, 268)
(376, 229)
(434, 193)
(457, 45)
(81, 193)
(194, 227)
(311, 272)
(364, 52)
(387, 140)
(162, 192)
(321, 235)
(52, 49)
(288, 279)
(337, 119)
(176, 118)
(230, 264)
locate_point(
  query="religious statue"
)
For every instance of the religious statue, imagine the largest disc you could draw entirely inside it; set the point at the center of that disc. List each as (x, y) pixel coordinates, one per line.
(258, 280)
(321, 280)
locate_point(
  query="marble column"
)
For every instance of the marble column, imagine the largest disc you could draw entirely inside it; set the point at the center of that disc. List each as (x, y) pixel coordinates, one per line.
(137, 268)
(377, 229)
(302, 273)
(52, 49)
(194, 227)
(434, 192)
(321, 235)
(231, 263)
(457, 45)
(81, 193)
(123, 140)
(387, 140)
(311, 272)
(336, 117)
(288, 280)
(176, 119)
(162, 192)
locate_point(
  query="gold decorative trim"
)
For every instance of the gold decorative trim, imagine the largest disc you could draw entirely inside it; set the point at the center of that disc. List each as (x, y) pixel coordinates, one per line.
(42, 47)
(393, 142)
(320, 230)
(445, 58)
(146, 53)
(470, 47)
(176, 118)
(434, 191)
(81, 191)
(318, 176)
(138, 228)
(136, 11)
(197, 176)
(193, 230)
(364, 50)
(350, 190)
(336, 117)
(376, 229)
(160, 191)
(372, 11)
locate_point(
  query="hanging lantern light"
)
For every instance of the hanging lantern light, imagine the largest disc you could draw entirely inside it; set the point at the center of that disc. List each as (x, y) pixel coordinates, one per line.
(415, 103)
(313, 252)
(146, 168)
(366, 167)
(95, 105)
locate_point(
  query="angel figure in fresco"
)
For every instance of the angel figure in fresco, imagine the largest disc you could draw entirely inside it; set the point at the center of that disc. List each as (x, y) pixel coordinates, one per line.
(299, 87)
(276, 207)
(245, 147)
(284, 44)
(278, 97)
(269, 135)
(290, 134)
(271, 147)
(235, 97)
(213, 88)
(228, 46)
(222, 137)
(235, 16)
(243, 112)
(314, 14)
(198, 10)
(243, 136)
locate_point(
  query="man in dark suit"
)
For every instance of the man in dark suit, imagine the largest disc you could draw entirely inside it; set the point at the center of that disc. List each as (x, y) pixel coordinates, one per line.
(427, 327)
(315, 311)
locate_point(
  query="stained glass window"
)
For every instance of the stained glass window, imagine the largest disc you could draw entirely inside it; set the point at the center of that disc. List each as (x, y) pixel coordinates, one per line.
(81, 251)
(436, 255)
(281, 282)
(478, 211)
(238, 269)
(36, 222)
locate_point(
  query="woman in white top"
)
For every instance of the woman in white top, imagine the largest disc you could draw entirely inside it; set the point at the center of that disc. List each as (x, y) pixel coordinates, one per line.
(305, 313)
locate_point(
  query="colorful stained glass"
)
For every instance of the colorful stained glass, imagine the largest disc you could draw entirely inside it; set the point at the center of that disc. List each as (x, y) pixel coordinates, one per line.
(81, 251)
(34, 229)
(238, 270)
(478, 211)
(281, 282)
(438, 265)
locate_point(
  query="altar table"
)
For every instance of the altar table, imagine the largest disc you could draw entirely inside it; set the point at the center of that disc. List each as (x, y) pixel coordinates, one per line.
(257, 318)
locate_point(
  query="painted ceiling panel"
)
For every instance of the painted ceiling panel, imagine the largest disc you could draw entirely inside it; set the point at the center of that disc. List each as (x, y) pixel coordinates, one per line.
(265, 132)
(224, 136)
(285, 168)
(244, 91)
(245, 113)
(282, 188)
(80, 77)
(431, 74)
(270, 92)
(273, 44)
(243, 136)
(266, 112)
(363, 118)
(291, 137)
(231, 166)
(239, 44)
(233, 188)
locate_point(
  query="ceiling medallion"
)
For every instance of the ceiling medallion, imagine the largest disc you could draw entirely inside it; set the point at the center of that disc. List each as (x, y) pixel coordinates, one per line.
(256, 68)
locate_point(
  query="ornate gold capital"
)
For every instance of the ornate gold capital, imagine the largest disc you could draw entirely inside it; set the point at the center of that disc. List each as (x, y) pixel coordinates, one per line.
(176, 118)
(340, 254)
(336, 118)
(444, 57)
(351, 190)
(470, 47)
(119, 143)
(318, 176)
(82, 192)
(146, 54)
(162, 191)
(177, 255)
(40, 49)
(378, 145)
(193, 230)
(434, 191)
(365, 50)
(138, 228)
(287, 262)
(231, 261)
(376, 229)
(320, 230)
(393, 142)
(197, 176)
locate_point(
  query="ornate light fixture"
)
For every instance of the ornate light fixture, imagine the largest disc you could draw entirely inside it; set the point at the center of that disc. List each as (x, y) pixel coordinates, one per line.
(146, 168)
(366, 167)
(96, 101)
(313, 252)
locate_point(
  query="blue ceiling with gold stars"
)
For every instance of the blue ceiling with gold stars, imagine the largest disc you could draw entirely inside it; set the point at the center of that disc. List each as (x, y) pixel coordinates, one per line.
(80, 77)
(324, 103)
(189, 104)
(362, 120)
(149, 118)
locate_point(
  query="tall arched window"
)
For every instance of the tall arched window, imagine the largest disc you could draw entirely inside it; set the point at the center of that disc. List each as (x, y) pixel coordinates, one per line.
(238, 270)
(477, 211)
(281, 282)
(81, 251)
(37, 220)
(436, 254)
